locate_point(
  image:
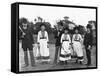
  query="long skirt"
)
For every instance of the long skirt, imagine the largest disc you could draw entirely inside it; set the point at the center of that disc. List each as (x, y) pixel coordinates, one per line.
(44, 50)
(78, 50)
(65, 51)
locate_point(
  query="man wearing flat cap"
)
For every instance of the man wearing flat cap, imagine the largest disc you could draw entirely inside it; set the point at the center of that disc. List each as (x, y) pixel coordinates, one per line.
(88, 38)
(58, 34)
(27, 44)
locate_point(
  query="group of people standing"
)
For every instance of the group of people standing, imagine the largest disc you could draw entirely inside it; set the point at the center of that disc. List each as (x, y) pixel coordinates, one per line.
(63, 45)
(64, 42)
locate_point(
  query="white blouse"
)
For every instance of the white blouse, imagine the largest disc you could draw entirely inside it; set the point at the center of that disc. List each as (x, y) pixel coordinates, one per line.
(77, 37)
(65, 37)
(40, 36)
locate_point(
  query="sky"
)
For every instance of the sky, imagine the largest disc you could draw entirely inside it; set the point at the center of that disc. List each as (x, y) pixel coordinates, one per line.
(52, 14)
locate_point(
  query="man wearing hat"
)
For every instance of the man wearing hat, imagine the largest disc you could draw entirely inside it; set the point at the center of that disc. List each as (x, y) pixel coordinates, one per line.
(88, 43)
(27, 44)
(58, 34)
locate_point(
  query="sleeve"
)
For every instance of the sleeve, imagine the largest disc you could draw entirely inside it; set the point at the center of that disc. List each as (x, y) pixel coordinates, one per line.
(84, 41)
(20, 34)
(81, 39)
(91, 40)
(62, 38)
(32, 37)
(47, 37)
(55, 34)
(38, 37)
(32, 34)
(69, 38)
(73, 38)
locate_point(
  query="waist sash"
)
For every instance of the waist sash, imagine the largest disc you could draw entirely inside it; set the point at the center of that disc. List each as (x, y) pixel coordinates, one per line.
(65, 40)
(42, 37)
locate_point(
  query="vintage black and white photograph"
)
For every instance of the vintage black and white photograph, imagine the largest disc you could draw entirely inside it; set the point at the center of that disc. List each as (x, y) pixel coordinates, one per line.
(56, 38)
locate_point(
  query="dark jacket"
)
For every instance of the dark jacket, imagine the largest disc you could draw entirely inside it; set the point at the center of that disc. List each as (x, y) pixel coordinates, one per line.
(28, 37)
(88, 39)
(58, 38)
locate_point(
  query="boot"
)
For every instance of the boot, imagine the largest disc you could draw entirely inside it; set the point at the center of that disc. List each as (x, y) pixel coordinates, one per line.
(25, 59)
(32, 58)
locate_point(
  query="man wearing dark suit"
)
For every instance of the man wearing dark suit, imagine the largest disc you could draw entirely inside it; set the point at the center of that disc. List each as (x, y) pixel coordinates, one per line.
(88, 44)
(58, 34)
(27, 44)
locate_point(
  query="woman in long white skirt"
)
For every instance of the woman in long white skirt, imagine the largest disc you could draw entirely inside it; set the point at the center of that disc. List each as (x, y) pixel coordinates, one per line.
(77, 45)
(65, 53)
(43, 44)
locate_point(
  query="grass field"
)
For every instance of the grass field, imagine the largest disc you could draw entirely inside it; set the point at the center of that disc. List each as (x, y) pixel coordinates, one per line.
(50, 66)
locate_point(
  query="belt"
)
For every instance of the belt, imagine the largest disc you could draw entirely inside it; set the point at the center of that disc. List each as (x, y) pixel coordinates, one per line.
(42, 37)
(65, 40)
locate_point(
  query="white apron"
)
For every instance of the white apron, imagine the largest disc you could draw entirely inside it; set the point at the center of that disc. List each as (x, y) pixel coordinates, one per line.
(44, 50)
(65, 49)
